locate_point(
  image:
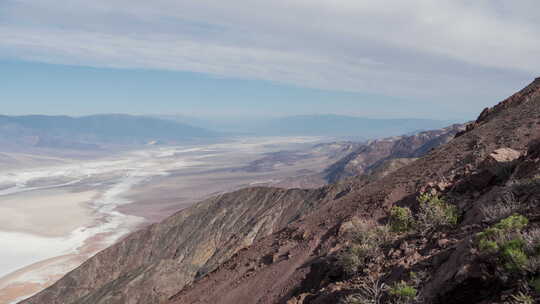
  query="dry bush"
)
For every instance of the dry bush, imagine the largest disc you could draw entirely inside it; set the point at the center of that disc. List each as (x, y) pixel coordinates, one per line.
(370, 291)
(532, 249)
(522, 298)
(504, 207)
(365, 246)
(373, 237)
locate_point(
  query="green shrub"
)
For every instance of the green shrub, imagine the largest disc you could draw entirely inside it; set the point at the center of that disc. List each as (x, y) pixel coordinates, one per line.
(435, 212)
(403, 292)
(514, 222)
(505, 242)
(513, 255)
(488, 246)
(401, 219)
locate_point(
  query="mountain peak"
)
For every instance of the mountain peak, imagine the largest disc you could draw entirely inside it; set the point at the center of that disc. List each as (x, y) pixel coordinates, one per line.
(526, 94)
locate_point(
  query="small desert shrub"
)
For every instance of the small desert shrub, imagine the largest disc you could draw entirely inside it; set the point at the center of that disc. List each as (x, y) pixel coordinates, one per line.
(532, 238)
(505, 241)
(434, 212)
(521, 298)
(351, 259)
(513, 255)
(370, 292)
(403, 293)
(506, 206)
(511, 224)
(532, 249)
(373, 237)
(365, 246)
(514, 222)
(354, 299)
(401, 219)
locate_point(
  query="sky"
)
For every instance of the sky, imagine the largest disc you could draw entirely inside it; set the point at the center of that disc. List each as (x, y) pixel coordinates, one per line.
(442, 59)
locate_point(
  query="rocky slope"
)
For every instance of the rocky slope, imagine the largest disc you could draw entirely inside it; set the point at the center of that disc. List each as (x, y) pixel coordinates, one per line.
(367, 157)
(375, 158)
(266, 245)
(187, 245)
(472, 172)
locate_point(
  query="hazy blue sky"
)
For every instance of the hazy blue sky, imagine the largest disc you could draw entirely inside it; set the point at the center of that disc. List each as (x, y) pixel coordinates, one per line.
(419, 58)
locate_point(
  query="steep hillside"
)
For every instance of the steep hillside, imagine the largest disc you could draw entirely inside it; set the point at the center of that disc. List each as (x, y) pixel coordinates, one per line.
(369, 156)
(375, 158)
(331, 245)
(476, 172)
(169, 255)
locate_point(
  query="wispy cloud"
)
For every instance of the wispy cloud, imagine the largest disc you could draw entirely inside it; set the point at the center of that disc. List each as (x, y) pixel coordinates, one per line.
(417, 48)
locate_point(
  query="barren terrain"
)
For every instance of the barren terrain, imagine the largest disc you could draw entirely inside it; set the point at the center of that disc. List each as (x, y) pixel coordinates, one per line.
(55, 215)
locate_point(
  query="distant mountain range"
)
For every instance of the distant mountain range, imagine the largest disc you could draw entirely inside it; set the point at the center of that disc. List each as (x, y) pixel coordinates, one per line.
(98, 131)
(315, 125)
(90, 132)
(336, 125)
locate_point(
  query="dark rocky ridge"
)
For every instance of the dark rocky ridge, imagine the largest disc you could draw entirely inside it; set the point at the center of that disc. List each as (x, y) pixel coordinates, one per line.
(266, 245)
(375, 158)
(369, 156)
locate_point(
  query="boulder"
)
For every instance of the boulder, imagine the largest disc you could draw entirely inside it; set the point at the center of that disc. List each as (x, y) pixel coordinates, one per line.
(503, 155)
(497, 166)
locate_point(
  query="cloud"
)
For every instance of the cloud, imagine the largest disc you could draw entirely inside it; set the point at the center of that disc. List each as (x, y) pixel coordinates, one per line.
(417, 49)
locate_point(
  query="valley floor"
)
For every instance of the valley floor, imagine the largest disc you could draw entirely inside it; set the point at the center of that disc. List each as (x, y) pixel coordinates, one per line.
(54, 217)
